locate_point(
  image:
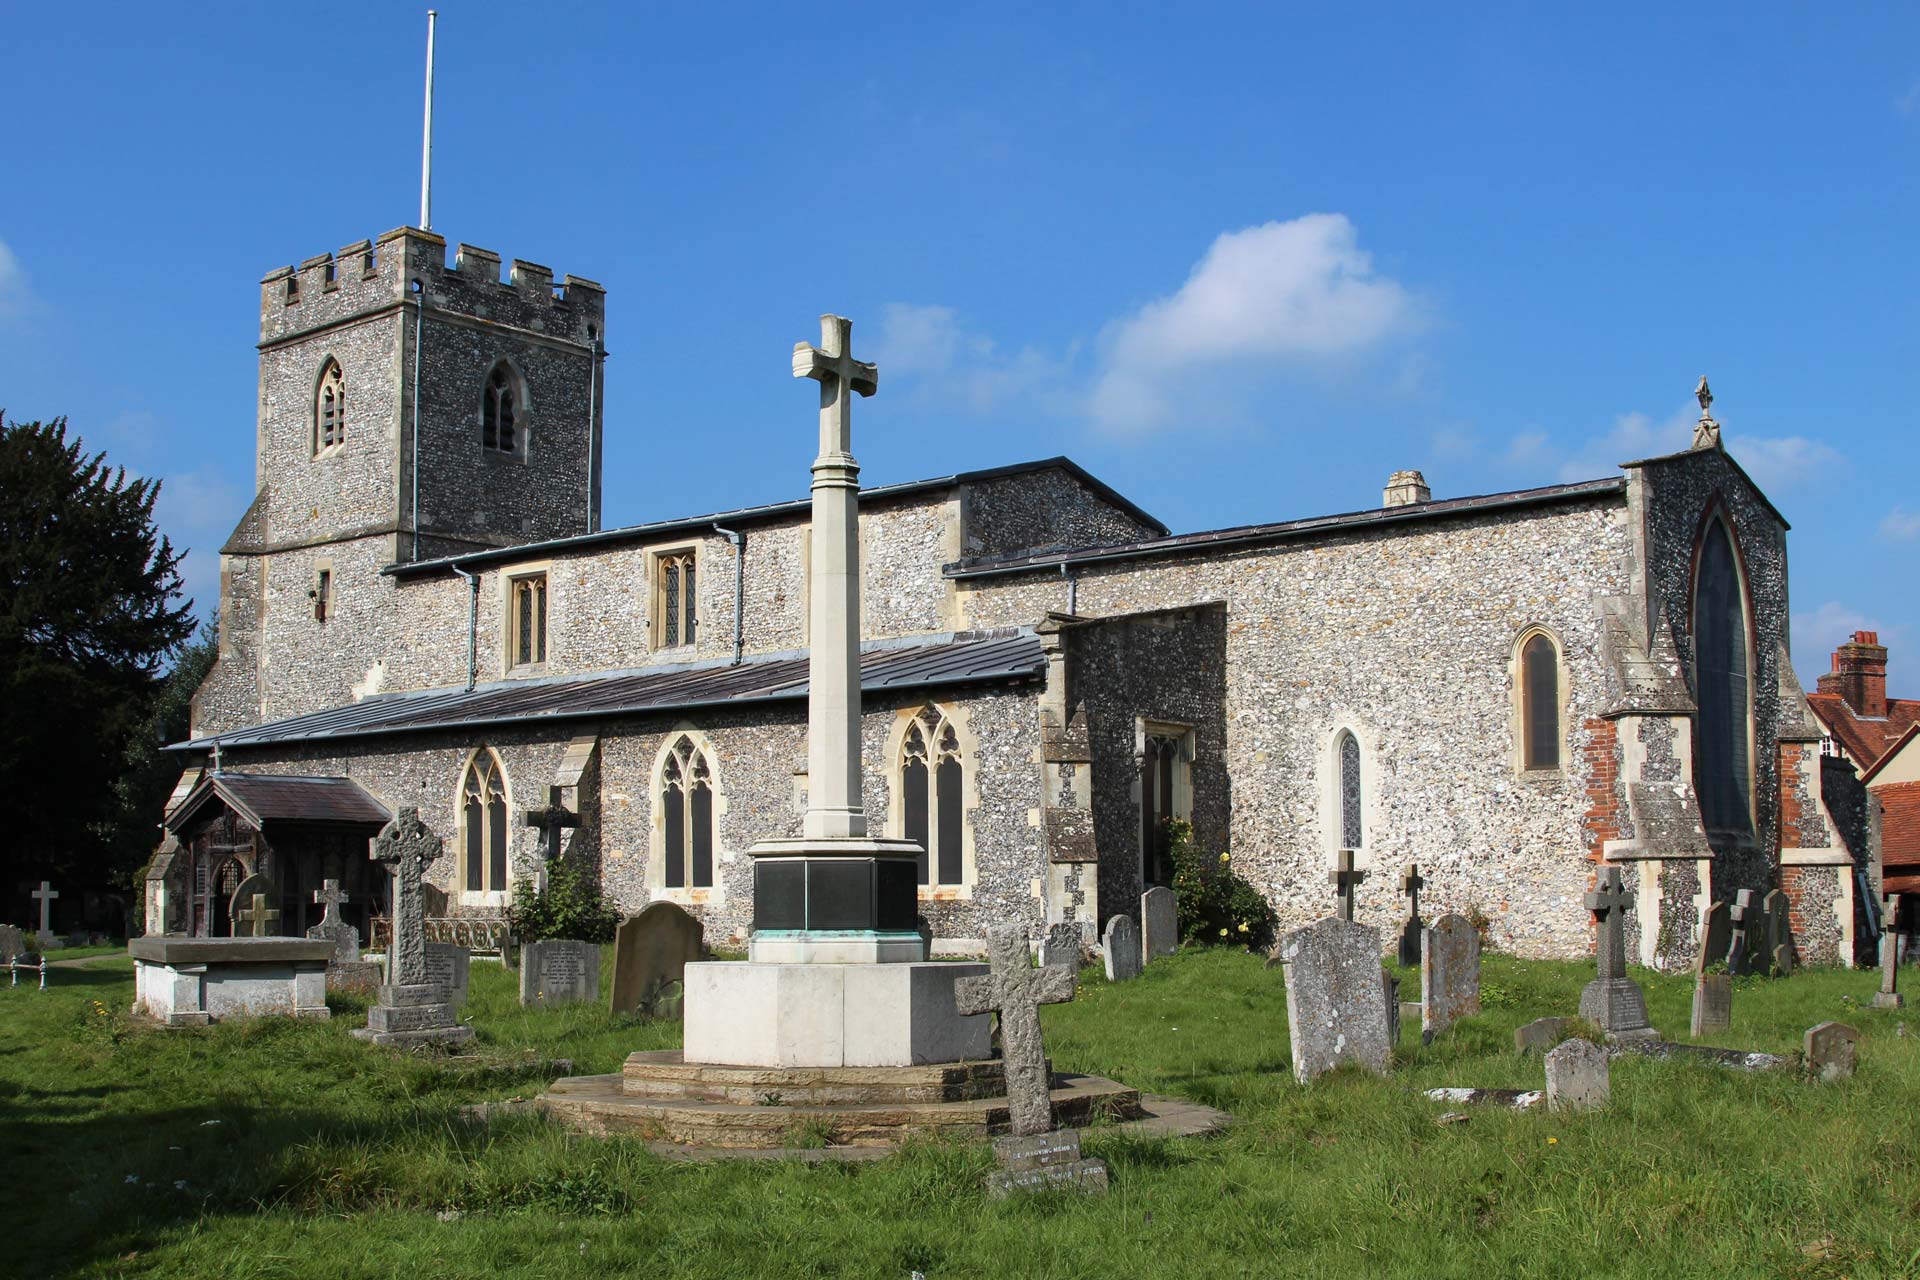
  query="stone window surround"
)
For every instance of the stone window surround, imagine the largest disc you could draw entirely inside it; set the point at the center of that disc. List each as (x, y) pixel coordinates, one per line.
(656, 596)
(1145, 727)
(903, 718)
(509, 618)
(1517, 718)
(1330, 798)
(491, 898)
(656, 877)
(1718, 514)
(321, 593)
(522, 414)
(330, 372)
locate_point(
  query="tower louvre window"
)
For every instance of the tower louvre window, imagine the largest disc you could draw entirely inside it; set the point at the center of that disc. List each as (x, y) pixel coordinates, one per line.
(330, 409)
(500, 411)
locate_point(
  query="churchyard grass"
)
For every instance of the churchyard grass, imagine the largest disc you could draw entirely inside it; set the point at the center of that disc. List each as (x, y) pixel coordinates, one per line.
(277, 1148)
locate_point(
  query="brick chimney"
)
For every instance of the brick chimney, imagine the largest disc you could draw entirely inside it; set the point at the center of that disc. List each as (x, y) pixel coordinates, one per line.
(1404, 488)
(1860, 675)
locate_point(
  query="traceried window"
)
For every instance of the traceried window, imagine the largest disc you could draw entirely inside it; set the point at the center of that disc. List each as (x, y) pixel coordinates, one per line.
(1162, 770)
(483, 822)
(329, 409)
(1722, 756)
(686, 804)
(500, 411)
(1539, 702)
(675, 611)
(932, 809)
(529, 604)
(1352, 830)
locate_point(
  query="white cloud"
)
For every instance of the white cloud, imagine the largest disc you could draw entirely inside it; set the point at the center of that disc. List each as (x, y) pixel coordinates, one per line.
(1298, 293)
(1817, 634)
(16, 297)
(1632, 436)
(1901, 525)
(1780, 463)
(946, 361)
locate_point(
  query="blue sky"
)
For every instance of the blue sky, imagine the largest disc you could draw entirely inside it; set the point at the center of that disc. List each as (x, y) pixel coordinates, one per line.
(1240, 262)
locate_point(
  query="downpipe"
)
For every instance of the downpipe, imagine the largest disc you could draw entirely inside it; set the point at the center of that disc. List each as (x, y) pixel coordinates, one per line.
(739, 541)
(473, 625)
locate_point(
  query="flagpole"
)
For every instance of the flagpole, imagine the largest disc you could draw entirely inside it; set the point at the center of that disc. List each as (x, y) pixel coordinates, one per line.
(426, 139)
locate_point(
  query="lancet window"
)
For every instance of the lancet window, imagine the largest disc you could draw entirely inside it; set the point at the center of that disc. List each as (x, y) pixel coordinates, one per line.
(329, 409)
(483, 822)
(932, 773)
(500, 411)
(686, 804)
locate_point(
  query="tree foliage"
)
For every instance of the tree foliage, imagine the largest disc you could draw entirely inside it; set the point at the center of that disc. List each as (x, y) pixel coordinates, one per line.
(91, 611)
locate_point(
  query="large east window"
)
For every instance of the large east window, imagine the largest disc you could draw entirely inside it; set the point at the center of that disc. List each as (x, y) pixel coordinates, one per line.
(1722, 740)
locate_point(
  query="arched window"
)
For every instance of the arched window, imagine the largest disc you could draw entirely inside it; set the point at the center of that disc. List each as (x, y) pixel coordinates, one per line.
(933, 807)
(500, 410)
(329, 408)
(1722, 758)
(1163, 775)
(483, 823)
(1352, 832)
(686, 804)
(1539, 689)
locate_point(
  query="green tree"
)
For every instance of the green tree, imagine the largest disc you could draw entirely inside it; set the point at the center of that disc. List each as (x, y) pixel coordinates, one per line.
(91, 610)
(132, 828)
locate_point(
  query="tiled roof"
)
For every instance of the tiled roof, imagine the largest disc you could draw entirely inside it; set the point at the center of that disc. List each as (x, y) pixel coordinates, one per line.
(1899, 828)
(1865, 740)
(920, 662)
(265, 798)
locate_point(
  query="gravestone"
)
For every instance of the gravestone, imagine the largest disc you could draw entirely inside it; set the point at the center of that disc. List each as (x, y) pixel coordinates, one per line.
(1390, 992)
(1744, 947)
(1577, 1077)
(344, 937)
(450, 967)
(1122, 945)
(1613, 1001)
(1411, 882)
(1036, 1155)
(1831, 1049)
(1542, 1034)
(1159, 924)
(1716, 935)
(651, 952)
(253, 886)
(1778, 914)
(1449, 974)
(559, 971)
(1335, 999)
(410, 1008)
(1346, 877)
(1888, 997)
(1061, 945)
(1712, 1003)
(12, 942)
(255, 919)
(45, 895)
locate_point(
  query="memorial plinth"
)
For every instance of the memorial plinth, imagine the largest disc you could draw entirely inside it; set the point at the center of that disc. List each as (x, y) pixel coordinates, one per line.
(189, 982)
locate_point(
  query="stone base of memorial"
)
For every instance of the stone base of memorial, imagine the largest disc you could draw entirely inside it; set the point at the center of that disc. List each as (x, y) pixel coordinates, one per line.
(413, 1015)
(1618, 1007)
(189, 982)
(830, 1015)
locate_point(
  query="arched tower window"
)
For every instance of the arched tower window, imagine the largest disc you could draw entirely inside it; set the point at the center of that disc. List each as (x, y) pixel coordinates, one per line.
(329, 409)
(1722, 737)
(483, 823)
(501, 410)
(933, 809)
(1539, 689)
(1352, 830)
(686, 804)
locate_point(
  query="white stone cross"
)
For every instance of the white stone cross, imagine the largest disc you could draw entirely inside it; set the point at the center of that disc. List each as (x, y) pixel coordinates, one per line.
(46, 893)
(832, 365)
(329, 896)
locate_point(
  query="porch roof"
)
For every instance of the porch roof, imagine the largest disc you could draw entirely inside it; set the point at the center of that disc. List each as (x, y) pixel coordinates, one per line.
(264, 798)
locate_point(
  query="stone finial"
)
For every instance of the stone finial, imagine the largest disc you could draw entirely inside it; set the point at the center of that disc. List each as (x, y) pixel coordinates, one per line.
(1404, 489)
(1706, 432)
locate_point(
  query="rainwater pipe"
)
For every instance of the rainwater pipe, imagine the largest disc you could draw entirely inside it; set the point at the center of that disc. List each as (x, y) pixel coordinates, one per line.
(593, 408)
(473, 625)
(739, 541)
(419, 322)
(1073, 588)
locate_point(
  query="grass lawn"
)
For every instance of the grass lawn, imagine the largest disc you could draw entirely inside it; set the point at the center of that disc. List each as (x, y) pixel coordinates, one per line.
(278, 1148)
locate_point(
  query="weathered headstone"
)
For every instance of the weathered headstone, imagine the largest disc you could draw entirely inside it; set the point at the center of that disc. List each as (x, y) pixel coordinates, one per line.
(451, 967)
(1346, 877)
(1449, 974)
(1335, 999)
(241, 901)
(651, 951)
(1411, 882)
(1542, 1034)
(1390, 992)
(1613, 1001)
(1779, 931)
(559, 971)
(1746, 922)
(1831, 1049)
(1036, 1155)
(1712, 1003)
(410, 1008)
(1122, 946)
(1061, 945)
(344, 937)
(1577, 1076)
(1716, 935)
(1159, 924)
(1888, 997)
(12, 942)
(256, 919)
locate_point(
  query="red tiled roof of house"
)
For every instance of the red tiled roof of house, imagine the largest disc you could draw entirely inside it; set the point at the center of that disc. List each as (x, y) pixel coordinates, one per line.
(1899, 828)
(1864, 740)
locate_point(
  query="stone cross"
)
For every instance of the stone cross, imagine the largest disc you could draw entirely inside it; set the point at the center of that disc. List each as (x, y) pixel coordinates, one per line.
(551, 819)
(1346, 880)
(1411, 883)
(1609, 902)
(407, 846)
(259, 917)
(46, 893)
(1016, 990)
(329, 897)
(1742, 913)
(835, 807)
(1889, 996)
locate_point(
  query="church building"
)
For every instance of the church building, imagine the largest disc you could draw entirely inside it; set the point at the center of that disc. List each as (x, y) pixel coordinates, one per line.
(421, 608)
